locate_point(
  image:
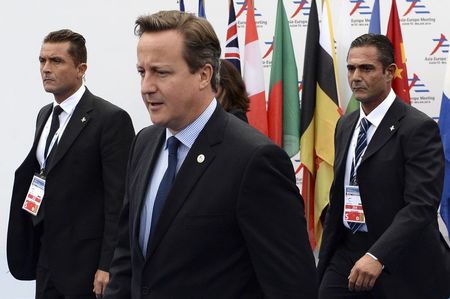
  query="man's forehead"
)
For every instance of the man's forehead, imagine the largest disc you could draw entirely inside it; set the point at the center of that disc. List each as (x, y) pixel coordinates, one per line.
(366, 55)
(55, 47)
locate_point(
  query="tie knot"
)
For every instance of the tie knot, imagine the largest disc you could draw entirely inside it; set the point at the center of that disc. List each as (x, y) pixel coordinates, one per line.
(172, 145)
(57, 110)
(365, 124)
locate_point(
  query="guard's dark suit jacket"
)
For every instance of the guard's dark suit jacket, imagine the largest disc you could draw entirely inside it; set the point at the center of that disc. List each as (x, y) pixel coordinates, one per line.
(233, 226)
(83, 197)
(400, 179)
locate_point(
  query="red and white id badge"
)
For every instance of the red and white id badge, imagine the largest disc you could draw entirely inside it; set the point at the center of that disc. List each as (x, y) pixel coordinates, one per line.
(353, 209)
(35, 195)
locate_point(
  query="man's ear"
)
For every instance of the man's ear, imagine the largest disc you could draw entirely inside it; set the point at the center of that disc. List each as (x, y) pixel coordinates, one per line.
(82, 67)
(391, 70)
(205, 73)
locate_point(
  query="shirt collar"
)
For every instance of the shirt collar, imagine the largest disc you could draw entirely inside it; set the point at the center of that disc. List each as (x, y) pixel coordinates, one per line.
(188, 135)
(376, 115)
(69, 104)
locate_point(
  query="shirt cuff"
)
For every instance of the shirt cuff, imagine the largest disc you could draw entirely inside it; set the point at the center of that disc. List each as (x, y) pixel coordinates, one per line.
(375, 258)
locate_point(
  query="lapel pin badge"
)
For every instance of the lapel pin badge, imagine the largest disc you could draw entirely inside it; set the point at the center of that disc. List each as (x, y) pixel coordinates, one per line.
(392, 128)
(201, 158)
(83, 119)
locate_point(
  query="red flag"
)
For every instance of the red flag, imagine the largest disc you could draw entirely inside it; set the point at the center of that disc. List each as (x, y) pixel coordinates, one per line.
(394, 33)
(253, 74)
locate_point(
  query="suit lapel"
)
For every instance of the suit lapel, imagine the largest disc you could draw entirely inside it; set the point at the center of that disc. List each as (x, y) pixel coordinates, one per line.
(41, 121)
(151, 155)
(190, 172)
(387, 128)
(346, 133)
(78, 121)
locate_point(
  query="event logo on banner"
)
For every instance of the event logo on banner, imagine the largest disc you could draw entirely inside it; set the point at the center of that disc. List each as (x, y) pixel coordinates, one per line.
(299, 17)
(417, 14)
(241, 7)
(419, 92)
(267, 56)
(438, 50)
(360, 13)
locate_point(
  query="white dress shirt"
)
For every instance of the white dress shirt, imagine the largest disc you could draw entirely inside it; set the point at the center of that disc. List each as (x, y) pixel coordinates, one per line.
(68, 106)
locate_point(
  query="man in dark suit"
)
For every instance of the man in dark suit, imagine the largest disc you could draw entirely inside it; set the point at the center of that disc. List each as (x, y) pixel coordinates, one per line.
(231, 223)
(381, 237)
(76, 170)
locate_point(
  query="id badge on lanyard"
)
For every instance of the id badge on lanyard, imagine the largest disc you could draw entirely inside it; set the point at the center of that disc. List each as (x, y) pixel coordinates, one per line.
(353, 208)
(35, 195)
(36, 192)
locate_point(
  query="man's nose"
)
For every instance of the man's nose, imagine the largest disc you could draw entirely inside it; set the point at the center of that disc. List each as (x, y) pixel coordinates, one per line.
(148, 84)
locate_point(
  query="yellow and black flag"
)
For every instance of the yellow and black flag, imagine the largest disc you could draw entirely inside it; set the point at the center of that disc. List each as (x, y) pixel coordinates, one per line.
(319, 114)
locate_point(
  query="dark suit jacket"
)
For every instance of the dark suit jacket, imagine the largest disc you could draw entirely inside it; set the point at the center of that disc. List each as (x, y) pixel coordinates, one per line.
(232, 226)
(82, 201)
(400, 179)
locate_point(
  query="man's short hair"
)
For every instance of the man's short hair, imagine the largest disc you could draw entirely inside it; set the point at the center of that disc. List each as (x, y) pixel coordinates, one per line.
(77, 49)
(201, 45)
(379, 41)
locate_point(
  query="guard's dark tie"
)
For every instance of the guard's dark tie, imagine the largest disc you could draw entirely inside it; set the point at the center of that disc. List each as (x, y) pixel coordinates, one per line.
(166, 183)
(361, 145)
(53, 128)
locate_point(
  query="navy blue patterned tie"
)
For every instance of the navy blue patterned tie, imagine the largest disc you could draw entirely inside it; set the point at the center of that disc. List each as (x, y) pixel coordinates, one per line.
(166, 183)
(361, 145)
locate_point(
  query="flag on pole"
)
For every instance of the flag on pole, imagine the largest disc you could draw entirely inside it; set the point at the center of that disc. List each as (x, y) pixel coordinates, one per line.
(444, 126)
(319, 115)
(232, 42)
(374, 27)
(253, 74)
(394, 33)
(343, 37)
(182, 5)
(201, 9)
(284, 106)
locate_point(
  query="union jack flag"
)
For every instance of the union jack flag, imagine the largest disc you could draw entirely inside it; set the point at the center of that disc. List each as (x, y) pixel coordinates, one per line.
(232, 43)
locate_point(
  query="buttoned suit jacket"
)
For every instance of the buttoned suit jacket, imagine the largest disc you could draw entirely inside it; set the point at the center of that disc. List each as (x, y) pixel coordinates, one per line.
(400, 180)
(83, 197)
(233, 225)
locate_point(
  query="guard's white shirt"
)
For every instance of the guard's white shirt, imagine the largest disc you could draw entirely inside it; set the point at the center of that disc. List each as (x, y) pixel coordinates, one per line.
(68, 106)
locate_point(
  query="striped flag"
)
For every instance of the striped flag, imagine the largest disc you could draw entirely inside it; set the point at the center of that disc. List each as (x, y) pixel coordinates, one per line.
(201, 9)
(444, 126)
(394, 33)
(343, 36)
(182, 5)
(284, 106)
(319, 115)
(253, 74)
(232, 42)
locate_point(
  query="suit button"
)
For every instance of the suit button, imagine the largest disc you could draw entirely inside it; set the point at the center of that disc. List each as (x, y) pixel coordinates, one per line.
(145, 290)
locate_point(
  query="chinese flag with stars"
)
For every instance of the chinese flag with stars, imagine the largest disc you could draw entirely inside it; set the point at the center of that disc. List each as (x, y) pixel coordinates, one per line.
(394, 33)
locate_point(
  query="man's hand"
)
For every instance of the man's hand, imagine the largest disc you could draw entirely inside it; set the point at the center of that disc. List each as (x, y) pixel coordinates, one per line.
(101, 280)
(364, 274)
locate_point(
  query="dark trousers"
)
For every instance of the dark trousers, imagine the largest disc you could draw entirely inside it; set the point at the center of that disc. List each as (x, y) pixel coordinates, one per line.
(334, 283)
(45, 288)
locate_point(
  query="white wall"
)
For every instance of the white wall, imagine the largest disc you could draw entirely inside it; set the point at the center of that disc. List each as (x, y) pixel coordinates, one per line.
(108, 28)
